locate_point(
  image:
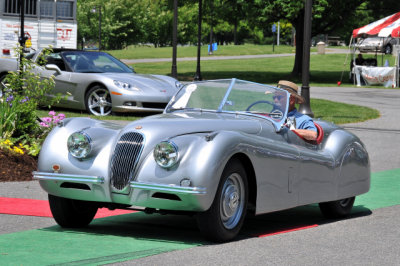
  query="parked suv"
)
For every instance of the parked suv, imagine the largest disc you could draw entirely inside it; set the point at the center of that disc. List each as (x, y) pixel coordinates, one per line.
(376, 44)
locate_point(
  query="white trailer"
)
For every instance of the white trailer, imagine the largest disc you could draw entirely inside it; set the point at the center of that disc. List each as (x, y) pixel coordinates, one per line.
(47, 23)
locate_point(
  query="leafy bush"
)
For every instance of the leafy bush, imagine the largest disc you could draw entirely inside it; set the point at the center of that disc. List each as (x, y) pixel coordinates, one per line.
(25, 91)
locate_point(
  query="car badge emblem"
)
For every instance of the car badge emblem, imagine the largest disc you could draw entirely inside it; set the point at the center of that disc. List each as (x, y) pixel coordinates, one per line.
(163, 90)
(138, 127)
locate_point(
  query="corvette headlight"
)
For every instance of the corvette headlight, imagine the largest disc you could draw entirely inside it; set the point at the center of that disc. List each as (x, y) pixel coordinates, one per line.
(166, 154)
(79, 145)
(125, 85)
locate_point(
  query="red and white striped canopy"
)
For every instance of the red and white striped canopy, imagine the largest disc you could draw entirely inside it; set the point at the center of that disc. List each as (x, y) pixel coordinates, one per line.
(389, 26)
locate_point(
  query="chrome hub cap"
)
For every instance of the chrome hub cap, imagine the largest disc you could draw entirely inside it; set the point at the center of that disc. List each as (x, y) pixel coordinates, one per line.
(231, 208)
(99, 102)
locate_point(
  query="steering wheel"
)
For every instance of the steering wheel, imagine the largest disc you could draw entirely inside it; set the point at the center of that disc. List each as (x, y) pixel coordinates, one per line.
(258, 102)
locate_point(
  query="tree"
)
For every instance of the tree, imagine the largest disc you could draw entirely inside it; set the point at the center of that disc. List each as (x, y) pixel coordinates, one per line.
(328, 15)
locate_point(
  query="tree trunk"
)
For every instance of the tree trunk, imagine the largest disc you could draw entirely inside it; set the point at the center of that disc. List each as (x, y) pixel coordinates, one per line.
(235, 33)
(299, 26)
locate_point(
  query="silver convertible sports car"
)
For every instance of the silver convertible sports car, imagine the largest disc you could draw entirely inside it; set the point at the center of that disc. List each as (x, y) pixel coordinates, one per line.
(100, 83)
(220, 149)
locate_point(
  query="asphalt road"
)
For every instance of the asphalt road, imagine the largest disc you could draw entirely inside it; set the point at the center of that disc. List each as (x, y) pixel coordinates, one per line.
(369, 239)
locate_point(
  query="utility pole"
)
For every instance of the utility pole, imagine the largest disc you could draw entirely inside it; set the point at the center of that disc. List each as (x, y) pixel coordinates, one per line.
(22, 28)
(197, 76)
(174, 71)
(305, 107)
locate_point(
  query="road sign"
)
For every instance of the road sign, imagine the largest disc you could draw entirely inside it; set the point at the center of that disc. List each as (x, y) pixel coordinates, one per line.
(273, 27)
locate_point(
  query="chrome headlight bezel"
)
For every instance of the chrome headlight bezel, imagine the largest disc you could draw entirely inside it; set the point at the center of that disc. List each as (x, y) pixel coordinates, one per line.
(166, 154)
(79, 145)
(125, 85)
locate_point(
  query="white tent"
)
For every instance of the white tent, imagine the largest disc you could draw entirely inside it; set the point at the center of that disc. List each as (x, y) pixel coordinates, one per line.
(385, 27)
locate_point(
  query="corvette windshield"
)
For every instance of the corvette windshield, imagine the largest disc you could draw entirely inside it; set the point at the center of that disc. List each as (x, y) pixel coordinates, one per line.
(94, 62)
(232, 95)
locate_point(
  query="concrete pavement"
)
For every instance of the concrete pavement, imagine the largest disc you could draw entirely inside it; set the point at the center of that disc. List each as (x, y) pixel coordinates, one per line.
(369, 239)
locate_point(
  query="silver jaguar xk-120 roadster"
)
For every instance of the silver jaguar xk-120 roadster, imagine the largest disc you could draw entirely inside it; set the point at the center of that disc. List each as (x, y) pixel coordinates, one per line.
(221, 148)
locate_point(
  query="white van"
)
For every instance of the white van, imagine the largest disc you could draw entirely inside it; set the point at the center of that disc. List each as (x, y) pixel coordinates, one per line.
(47, 22)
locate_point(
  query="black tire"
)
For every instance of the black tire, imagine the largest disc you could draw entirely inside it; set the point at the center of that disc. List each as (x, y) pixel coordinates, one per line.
(223, 221)
(71, 213)
(98, 101)
(338, 208)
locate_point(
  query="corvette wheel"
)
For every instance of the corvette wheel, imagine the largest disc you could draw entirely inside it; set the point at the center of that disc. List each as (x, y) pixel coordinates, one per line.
(71, 213)
(222, 222)
(98, 101)
(338, 208)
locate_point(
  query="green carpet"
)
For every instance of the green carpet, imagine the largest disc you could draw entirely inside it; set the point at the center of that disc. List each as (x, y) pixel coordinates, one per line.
(132, 236)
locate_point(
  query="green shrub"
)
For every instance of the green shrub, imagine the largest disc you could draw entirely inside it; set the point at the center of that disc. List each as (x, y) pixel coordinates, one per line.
(25, 91)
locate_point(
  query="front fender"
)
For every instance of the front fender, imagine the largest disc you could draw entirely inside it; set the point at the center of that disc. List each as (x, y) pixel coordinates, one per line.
(55, 152)
(202, 158)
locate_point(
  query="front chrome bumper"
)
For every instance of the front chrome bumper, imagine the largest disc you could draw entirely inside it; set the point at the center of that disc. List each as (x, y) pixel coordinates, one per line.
(142, 194)
(69, 178)
(168, 188)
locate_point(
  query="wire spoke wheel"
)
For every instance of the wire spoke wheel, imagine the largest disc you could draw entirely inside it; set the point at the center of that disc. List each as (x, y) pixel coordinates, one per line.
(224, 219)
(232, 203)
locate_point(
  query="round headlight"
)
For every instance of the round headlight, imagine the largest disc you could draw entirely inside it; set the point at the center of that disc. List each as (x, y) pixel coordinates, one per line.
(166, 154)
(79, 145)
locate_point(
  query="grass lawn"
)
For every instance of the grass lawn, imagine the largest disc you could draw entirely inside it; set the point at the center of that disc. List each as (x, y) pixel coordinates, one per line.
(344, 113)
(138, 52)
(325, 70)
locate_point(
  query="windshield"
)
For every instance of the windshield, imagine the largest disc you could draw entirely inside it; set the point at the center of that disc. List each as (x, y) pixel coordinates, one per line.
(233, 95)
(94, 62)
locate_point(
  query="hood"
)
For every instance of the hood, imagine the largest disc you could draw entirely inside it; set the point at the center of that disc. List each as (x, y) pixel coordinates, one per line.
(164, 126)
(146, 83)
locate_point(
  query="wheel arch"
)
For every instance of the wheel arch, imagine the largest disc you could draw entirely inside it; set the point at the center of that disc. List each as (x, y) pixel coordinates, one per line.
(91, 85)
(251, 176)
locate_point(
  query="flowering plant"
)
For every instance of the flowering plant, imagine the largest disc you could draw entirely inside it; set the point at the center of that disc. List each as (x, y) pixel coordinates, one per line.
(23, 91)
(9, 145)
(49, 122)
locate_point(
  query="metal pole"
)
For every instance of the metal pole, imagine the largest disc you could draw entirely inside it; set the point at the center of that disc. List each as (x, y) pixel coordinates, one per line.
(211, 31)
(174, 71)
(22, 28)
(197, 76)
(100, 28)
(305, 107)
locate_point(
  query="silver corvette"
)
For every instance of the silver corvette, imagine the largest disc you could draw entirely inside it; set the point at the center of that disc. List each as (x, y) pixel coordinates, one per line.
(221, 148)
(100, 83)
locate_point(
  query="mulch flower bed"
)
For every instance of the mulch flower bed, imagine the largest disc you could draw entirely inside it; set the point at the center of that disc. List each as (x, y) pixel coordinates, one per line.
(15, 167)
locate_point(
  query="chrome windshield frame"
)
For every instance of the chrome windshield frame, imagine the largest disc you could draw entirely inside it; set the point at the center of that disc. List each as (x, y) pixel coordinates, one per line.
(277, 124)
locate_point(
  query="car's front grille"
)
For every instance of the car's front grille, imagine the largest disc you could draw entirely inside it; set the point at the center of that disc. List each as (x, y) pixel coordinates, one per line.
(125, 158)
(154, 105)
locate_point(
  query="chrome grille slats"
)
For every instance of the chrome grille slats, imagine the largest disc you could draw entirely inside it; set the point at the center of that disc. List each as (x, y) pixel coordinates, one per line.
(125, 158)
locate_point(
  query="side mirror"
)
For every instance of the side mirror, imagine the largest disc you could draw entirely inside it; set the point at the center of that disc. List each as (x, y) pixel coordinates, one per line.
(53, 67)
(131, 67)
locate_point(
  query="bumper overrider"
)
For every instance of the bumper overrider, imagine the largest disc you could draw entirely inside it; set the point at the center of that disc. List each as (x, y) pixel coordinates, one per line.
(152, 195)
